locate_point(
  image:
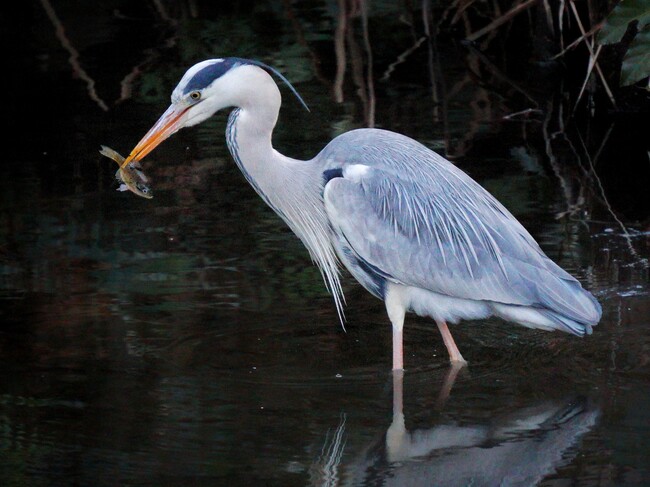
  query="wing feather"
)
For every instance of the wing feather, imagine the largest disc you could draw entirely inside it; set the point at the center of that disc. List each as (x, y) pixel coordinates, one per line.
(417, 218)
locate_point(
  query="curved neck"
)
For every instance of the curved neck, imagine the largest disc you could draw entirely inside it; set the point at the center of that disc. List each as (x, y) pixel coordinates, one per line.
(269, 172)
(293, 188)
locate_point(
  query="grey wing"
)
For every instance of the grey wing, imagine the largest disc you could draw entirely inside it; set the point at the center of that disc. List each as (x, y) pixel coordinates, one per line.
(429, 225)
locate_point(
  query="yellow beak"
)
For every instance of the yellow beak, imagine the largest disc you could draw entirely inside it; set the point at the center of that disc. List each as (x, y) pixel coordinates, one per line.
(167, 124)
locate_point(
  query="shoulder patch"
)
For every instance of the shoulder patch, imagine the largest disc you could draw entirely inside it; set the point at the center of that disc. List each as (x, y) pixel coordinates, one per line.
(330, 174)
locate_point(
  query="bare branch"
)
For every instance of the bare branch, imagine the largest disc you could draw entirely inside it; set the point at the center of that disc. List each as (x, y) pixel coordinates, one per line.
(74, 55)
(501, 20)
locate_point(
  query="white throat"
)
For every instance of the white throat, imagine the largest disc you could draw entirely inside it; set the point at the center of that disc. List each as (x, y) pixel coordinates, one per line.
(293, 188)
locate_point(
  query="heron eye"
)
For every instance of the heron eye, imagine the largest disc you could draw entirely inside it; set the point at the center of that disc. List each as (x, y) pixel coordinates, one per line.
(195, 95)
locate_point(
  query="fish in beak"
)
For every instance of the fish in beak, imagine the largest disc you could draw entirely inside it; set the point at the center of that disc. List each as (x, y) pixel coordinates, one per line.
(131, 176)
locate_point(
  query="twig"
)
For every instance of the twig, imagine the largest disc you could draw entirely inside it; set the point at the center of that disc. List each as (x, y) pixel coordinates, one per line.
(357, 65)
(460, 9)
(498, 73)
(126, 84)
(593, 59)
(162, 11)
(591, 52)
(401, 58)
(74, 55)
(302, 41)
(560, 21)
(602, 144)
(339, 50)
(626, 234)
(552, 159)
(370, 84)
(526, 112)
(549, 17)
(501, 20)
(591, 32)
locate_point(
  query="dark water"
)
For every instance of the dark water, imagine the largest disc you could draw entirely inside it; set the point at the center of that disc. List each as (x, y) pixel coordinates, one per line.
(188, 340)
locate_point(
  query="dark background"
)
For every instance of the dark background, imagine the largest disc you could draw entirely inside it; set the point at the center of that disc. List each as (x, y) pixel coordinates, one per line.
(188, 340)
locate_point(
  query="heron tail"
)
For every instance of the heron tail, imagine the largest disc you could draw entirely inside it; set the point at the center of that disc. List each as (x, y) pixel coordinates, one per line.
(573, 309)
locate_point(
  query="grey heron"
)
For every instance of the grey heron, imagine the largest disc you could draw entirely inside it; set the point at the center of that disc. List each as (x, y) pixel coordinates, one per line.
(411, 227)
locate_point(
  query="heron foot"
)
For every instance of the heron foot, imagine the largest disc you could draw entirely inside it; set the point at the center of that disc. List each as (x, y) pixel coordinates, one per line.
(458, 362)
(452, 349)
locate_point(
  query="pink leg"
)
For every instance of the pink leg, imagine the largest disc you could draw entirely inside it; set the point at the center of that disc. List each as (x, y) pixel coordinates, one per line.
(398, 392)
(398, 348)
(452, 349)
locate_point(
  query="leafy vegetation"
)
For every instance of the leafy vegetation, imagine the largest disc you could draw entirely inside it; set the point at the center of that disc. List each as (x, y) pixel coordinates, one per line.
(636, 62)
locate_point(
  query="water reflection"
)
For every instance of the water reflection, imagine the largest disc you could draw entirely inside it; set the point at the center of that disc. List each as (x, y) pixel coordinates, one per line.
(521, 447)
(189, 341)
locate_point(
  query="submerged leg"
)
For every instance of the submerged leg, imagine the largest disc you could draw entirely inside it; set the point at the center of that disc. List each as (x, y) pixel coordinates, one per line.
(452, 349)
(397, 437)
(450, 379)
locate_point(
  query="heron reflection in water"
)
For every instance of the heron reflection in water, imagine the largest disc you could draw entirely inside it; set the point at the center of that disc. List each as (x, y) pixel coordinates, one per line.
(522, 446)
(413, 229)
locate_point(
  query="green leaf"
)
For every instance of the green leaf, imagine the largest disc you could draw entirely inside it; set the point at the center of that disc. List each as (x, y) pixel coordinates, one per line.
(617, 21)
(636, 63)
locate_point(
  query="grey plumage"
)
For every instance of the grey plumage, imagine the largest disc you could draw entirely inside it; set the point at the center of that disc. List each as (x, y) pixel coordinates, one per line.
(412, 228)
(435, 228)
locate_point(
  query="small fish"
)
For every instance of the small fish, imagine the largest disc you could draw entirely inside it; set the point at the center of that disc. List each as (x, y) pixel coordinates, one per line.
(131, 176)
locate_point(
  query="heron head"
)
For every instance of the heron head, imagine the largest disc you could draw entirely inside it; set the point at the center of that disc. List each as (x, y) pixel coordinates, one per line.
(204, 89)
